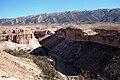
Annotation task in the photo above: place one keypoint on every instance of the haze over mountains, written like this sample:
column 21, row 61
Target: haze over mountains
column 92, row 16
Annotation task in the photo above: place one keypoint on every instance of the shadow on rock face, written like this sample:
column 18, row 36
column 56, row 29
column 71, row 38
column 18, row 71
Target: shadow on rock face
column 40, row 51
column 61, row 66
column 66, row 68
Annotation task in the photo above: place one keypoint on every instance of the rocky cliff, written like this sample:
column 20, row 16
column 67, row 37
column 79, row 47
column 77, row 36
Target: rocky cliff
column 89, row 53
column 99, row 15
column 91, row 60
column 107, row 35
column 19, row 36
column 101, row 36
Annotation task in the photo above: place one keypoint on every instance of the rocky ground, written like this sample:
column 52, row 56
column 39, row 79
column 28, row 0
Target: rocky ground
column 17, row 68
column 10, row 45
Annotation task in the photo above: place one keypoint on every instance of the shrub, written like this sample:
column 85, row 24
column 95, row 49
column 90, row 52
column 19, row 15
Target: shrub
column 49, row 73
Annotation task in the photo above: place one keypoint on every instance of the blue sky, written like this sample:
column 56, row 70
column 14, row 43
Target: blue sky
column 16, row 8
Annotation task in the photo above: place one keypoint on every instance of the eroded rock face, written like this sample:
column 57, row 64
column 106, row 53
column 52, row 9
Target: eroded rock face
column 99, row 60
column 93, row 52
column 102, row 36
column 102, row 61
column 19, row 36
column 100, row 15
column 51, row 41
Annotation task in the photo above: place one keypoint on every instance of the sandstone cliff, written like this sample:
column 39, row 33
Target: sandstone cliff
column 87, row 52
column 17, row 38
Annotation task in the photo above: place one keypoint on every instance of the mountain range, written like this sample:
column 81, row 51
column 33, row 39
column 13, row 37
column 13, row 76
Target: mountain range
column 90, row 16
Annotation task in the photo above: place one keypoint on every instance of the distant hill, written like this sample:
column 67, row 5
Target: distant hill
column 92, row 16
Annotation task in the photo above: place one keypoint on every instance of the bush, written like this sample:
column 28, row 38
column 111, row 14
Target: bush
column 49, row 73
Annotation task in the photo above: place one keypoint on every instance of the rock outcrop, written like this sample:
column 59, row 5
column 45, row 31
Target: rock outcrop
column 91, row 60
column 19, row 36
column 101, row 36
column 99, row 15
column 51, row 41
column 89, row 53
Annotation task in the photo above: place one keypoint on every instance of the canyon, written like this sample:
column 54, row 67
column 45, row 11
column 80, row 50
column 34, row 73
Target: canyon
column 80, row 51
column 84, row 45
column 88, row 53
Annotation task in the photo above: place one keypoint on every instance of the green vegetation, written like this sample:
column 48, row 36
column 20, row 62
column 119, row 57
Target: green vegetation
column 42, row 62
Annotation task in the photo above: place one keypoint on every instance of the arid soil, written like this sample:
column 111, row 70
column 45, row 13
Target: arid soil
column 18, row 68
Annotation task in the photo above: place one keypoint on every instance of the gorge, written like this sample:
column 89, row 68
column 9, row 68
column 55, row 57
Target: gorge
column 92, row 52
column 84, row 45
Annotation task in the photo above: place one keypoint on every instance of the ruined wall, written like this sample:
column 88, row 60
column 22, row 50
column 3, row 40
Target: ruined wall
column 102, row 36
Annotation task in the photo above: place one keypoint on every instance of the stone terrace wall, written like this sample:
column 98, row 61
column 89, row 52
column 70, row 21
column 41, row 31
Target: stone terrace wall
column 102, row 36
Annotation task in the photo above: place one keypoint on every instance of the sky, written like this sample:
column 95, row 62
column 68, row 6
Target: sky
column 17, row 8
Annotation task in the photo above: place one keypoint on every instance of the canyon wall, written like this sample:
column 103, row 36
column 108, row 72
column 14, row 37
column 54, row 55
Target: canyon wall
column 86, row 52
column 102, row 36
column 19, row 36
column 51, row 41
